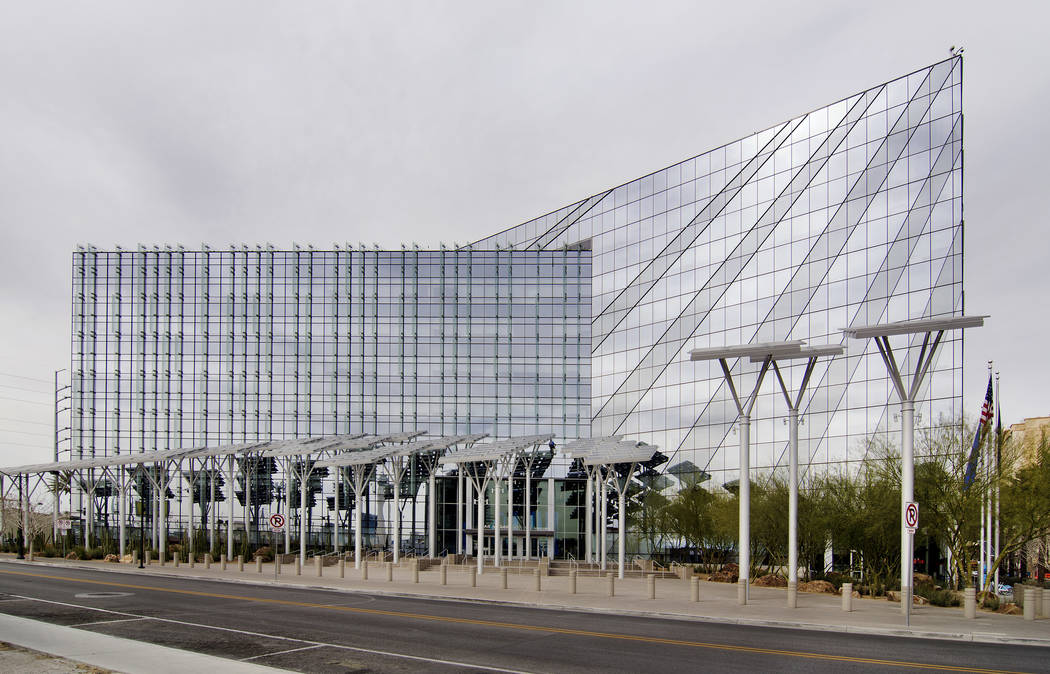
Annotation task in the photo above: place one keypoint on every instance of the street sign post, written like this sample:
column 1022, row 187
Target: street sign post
column 911, row 516
column 277, row 523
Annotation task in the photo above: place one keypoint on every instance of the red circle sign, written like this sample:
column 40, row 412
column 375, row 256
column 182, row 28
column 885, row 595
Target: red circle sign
column 277, row 521
column 911, row 515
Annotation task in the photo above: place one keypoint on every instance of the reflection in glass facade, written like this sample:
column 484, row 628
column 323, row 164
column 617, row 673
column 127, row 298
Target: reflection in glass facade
column 847, row 215
column 176, row 348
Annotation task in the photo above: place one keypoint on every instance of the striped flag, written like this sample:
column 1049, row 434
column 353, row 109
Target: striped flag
column 986, row 416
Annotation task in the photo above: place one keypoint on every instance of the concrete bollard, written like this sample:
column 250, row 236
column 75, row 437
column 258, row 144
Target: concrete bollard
column 1045, row 602
column 503, row 578
column 847, row 597
column 276, row 565
column 473, row 578
column 415, row 571
column 610, row 585
column 741, row 592
column 650, row 584
column 390, row 572
column 240, row 563
column 319, row 564
column 258, row 565
column 175, row 559
column 222, row 561
column 207, row 561
column 970, row 602
column 572, row 582
column 135, row 557
column 193, row 560
column 364, row 571
column 444, row 574
column 536, row 584
column 298, row 565
column 694, row 589
column 792, row 594
column 1039, row 613
column 342, row 568
column 161, row 558
column 1029, row 603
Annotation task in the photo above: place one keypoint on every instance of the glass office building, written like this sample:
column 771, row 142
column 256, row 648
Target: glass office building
column 577, row 323
column 848, row 215
column 176, row 348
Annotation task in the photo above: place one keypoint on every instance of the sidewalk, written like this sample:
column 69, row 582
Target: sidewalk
column 114, row 653
column 718, row 602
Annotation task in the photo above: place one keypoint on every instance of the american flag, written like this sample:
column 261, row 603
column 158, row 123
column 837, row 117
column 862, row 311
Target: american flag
column 986, row 416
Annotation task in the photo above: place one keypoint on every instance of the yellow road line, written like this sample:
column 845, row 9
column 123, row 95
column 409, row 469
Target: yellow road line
column 524, row 627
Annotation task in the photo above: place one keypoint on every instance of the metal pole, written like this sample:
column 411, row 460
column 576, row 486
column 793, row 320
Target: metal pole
column 907, row 495
column 163, row 525
column 588, row 534
column 396, row 475
column 432, row 515
column 792, row 507
column 229, row 508
column 287, row 505
column 480, row 529
column 528, row 513
column 459, row 511
column 603, row 528
column 359, row 484
column 745, row 506
column 497, row 542
column 510, row 514
column 303, row 487
column 621, row 525
column 122, row 507
column 21, row 522
column 338, row 489
column 998, row 424
column 142, row 530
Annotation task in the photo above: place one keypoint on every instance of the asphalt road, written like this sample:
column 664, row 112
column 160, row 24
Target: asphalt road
column 323, row 631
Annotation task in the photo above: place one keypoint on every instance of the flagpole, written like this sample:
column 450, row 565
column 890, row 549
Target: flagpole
column 985, row 534
column 998, row 451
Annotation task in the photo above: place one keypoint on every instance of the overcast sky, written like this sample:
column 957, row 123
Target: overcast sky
column 323, row 122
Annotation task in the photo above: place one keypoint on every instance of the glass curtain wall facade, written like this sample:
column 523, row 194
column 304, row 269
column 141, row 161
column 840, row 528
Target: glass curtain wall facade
column 176, row 348
column 847, row 215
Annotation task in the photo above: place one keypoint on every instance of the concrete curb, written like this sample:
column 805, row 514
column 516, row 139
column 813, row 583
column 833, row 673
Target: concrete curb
column 976, row 637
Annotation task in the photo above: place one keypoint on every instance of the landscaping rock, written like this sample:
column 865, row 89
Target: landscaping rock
column 893, row 595
column 729, row 573
column 113, row 559
column 820, row 586
column 771, row 580
column 73, row 556
column 1010, row 609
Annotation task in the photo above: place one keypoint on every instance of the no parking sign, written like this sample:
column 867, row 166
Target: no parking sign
column 276, row 522
column 911, row 516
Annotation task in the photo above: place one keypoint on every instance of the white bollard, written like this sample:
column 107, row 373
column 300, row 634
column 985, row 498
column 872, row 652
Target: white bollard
column 473, row 578
column 222, row 561
column 970, row 602
column 319, row 563
column 207, row 561
column 847, row 597
column 240, row 563
column 444, row 574
column 1029, row 603
column 1039, row 612
column 503, row 578
column 258, row 565
column 276, row 565
column 390, row 572
column 175, row 560
column 342, row 568
column 650, row 582
column 536, row 585
column 610, row 584
column 694, row 589
column 298, row 565
column 415, row 571
column 364, row 571
column 572, row 582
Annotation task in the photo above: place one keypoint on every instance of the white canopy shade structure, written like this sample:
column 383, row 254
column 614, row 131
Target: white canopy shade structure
column 577, row 449
column 627, row 454
column 764, row 353
column 794, row 400
column 933, row 330
column 490, row 462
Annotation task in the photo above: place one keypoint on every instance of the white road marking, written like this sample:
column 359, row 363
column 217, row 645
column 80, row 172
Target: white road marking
column 451, row 663
column 290, row 650
column 106, row 622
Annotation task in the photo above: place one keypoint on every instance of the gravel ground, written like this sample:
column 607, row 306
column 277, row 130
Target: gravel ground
column 15, row 659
